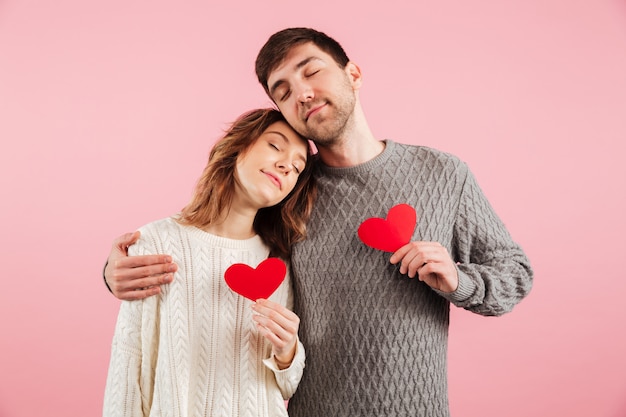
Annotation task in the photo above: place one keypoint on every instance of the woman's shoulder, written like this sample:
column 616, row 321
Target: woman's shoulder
column 153, row 235
column 163, row 225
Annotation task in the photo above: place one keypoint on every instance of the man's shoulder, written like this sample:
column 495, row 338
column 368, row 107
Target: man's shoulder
column 426, row 154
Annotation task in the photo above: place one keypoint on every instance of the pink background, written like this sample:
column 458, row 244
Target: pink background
column 108, row 109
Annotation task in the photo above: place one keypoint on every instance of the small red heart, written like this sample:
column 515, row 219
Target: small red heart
column 392, row 233
column 256, row 283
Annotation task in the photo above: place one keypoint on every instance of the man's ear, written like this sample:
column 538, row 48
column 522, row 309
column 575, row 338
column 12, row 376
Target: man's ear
column 354, row 75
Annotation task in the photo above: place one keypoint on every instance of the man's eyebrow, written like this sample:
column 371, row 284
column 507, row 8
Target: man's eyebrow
column 299, row 65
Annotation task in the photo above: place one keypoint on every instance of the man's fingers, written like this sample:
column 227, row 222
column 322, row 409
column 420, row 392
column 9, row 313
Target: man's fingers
column 139, row 294
column 399, row 254
column 148, row 282
column 136, row 273
column 165, row 261
column 121, row 286
column 137, row 276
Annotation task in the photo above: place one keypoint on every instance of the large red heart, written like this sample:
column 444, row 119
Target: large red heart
column 392, row 233
column 256, row 283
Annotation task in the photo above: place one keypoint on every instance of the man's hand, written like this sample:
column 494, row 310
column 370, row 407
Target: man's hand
column 431, row 262
column 136, row 277
column 280, row 326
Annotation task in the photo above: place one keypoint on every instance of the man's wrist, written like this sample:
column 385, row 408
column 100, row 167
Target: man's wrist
column 104, row 277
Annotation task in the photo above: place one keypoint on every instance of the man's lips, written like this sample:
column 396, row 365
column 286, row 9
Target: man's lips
column 274, row 179
column 313, row 110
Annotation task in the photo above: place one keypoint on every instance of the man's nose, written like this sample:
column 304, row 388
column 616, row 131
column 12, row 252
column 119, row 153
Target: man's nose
column 305, row 93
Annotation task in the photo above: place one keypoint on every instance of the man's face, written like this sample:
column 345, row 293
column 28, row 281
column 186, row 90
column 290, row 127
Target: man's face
column 315, row 95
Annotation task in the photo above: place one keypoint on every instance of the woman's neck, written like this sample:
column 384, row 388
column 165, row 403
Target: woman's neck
column 235, row 225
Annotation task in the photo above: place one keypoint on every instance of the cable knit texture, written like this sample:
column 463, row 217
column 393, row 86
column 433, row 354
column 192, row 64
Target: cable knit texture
column 194, row 350
column 376, row 340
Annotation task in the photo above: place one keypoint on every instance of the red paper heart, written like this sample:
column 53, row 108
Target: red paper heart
column 392, row 233
column 256, row 283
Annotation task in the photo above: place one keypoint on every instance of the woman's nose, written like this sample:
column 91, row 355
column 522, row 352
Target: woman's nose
column 283, row 166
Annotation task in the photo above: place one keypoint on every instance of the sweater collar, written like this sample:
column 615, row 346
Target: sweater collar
column 377, row 161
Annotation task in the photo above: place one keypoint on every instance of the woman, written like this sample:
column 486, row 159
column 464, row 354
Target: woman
column 198, row 348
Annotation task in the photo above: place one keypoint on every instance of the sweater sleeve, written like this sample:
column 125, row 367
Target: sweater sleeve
column 123, row 392
column 494, row 273
column 130, row 380
column 288, row 379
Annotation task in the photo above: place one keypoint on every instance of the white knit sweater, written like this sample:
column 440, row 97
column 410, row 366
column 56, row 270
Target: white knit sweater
column 194, row 350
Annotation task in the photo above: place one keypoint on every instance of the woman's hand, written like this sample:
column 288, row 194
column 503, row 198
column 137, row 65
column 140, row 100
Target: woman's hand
column 279, row 326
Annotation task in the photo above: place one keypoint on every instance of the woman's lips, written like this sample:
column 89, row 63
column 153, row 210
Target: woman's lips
column 274, row 179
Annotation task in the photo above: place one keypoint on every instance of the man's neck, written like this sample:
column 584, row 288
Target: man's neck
column 351, row 151
column 356, row 145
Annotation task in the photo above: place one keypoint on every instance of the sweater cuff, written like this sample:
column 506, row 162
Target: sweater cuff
column 271, row 361
column 463, row 292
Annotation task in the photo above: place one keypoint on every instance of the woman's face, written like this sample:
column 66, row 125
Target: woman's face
column 268, row 171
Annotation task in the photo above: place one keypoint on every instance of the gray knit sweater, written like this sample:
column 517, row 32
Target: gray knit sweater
column 377, row 340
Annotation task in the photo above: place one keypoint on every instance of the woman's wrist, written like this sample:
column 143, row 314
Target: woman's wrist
column 282, row 365
column 286, row 364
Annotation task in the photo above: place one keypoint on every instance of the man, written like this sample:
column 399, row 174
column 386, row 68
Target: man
column 375, row 326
